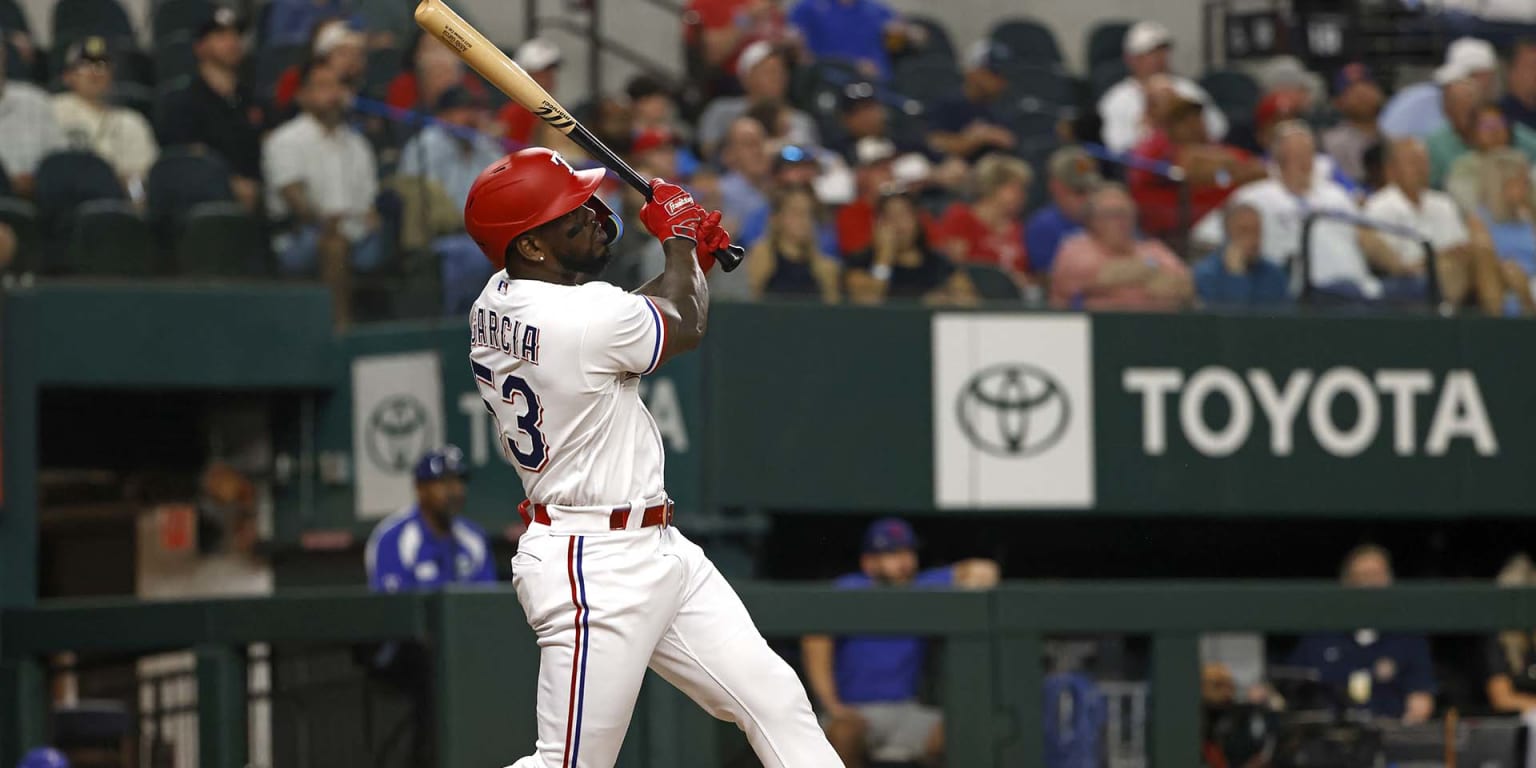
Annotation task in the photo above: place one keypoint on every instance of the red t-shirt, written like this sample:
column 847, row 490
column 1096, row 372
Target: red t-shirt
column 403, row 92
column 1004, row 250
column 1157, row 198
column 518, row 122
column 856, row 227
column 286, row 87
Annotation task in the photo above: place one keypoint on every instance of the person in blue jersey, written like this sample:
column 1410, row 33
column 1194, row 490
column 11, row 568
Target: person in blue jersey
column 428, row 545
column 867, row 686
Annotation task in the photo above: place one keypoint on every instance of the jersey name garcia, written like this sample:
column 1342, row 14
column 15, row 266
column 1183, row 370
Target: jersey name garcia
column 559, row 369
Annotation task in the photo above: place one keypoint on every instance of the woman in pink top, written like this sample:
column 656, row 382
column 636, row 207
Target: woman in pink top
column 1106, row 267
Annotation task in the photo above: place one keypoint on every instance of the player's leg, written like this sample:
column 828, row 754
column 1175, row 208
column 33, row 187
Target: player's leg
column 714, row 653
column 598, row 605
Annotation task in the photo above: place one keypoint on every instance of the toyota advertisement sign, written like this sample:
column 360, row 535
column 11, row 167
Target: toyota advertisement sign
column 1013, row 410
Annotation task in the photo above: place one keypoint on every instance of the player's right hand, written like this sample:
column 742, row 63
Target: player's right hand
column 712, row 239
column 671, row 212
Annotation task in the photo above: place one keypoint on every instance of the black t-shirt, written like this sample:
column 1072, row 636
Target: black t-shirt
column 908, row 282
column 1521, row 669
column 197, row 114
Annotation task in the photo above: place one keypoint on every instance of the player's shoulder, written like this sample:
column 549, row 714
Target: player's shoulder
column 464, row 525
column 392, row 526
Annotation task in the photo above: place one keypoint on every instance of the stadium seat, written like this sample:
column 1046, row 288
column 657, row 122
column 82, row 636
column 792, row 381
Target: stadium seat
column 1104, row 77
column 1028, row 40
column 993, row 284
column 939, row 45
column 383, row 65
column 176, row 16
column 11, row 17
column 131, row 65
column 109, row 239
column 929, row 81
column 21, row 216
column 181, row 179
column 1050, row 87
column 174, row 58
column 139, row 98
column 1237, row 93
column 269, row 67
column 222, row 239
column 1106, row 42
column 67, row 180
column 16, row 68
column 75, row 19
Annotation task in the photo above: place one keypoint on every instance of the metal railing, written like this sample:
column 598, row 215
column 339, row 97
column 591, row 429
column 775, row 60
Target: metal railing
column 1309, row 289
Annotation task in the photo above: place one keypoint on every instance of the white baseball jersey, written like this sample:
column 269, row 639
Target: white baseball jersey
column 559, row 367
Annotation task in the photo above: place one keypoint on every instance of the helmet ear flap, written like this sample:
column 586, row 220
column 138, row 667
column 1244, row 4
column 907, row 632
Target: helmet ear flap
column 613, row 226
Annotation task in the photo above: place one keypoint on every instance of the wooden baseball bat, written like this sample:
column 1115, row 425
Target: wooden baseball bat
column 441, row 22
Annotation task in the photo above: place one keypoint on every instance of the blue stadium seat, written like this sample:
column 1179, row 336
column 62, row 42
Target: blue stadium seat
column 110, row 239
column 76, row 19
column 181, row 179
column 928, row 81
column 940, row 44
column 177, row 16
column 1106, row 42
column 1104, row 76
column 174, row 59
column 221, row 239
column 383, row 65
column 993, row 284
column 1028, row 40
column 1237, row 93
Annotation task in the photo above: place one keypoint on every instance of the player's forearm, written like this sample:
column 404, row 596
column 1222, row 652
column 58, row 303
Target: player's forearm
column 683, row 284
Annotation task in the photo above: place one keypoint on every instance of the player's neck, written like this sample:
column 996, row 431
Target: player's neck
column 544, row 274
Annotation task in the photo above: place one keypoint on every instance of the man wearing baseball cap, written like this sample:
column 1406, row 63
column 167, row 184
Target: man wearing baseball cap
column 1123, row 108
column 867, row 685
column 428, row 545
column 970, row 125
column 1417, row 109
column 764, row 77
column 1071, row 175
column 1358, row 99
column 215, row 110
column 121, row 136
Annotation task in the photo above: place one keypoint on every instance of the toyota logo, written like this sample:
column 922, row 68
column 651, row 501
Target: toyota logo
column 1013, row 410
column 398, row 432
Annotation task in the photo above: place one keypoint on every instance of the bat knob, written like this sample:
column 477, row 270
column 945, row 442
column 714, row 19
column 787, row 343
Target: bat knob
column 730, row 258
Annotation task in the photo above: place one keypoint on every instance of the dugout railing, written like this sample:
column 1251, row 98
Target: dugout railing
column 484, row 655
column 1312, row 293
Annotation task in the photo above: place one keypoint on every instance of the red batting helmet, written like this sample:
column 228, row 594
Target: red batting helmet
column 524, row 190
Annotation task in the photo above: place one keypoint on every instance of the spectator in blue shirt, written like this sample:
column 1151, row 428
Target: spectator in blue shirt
column 850, row 30
column 427, row 545
column 1073, row 174
column 970, row 125
column 1388, row 674
column 44, row 757
column 867, row 686
column 1237, row 274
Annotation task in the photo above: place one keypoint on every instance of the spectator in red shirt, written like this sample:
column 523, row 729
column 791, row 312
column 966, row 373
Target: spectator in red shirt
column 899, row 263
column 338, row 46
column 872, row 176
column 1107, row 267
column 717, row 30
column 1210, row 170
column 540, row 58
column 988, row 231
column 433, row 70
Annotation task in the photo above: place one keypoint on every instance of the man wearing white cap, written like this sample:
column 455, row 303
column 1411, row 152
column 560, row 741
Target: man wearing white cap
column 1416, row 110
column 540, row 58
column 764, row 80
column 1123, row 107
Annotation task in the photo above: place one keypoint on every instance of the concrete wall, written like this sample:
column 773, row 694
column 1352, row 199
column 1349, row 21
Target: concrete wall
column 654, row 31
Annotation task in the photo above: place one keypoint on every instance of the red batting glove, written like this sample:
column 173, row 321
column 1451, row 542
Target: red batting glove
column 671, row 212
column 712, row 239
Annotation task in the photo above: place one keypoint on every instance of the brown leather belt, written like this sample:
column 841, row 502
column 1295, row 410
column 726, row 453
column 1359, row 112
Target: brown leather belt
column 618, row 519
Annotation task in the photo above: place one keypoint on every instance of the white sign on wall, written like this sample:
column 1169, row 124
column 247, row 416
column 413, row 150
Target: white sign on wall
column 397, row 415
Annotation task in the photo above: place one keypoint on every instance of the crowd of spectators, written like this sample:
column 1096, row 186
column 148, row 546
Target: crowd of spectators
column 850, row 150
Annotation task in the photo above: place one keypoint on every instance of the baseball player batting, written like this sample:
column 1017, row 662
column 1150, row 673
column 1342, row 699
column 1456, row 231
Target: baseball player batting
column 608, row 585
